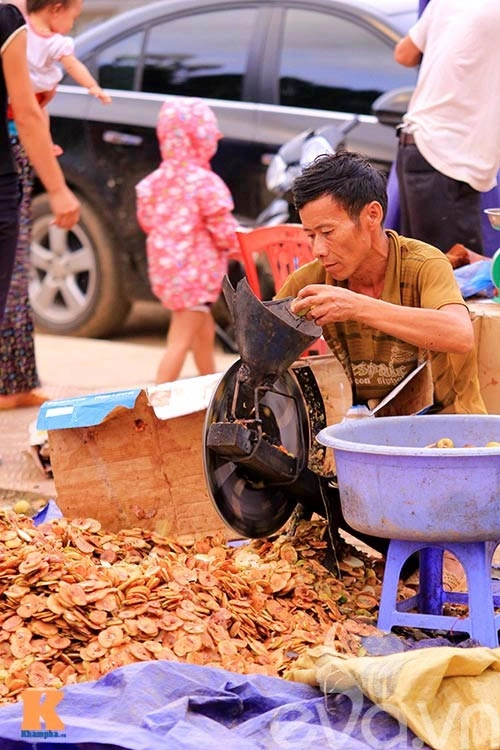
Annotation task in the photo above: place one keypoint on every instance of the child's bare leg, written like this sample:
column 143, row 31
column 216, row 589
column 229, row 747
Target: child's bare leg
column 204, row 344
column 184, row 325
column 55, row 148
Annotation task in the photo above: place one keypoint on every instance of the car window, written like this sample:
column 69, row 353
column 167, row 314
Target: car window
column 335, row 64
column 201, row 55
column 117, row 64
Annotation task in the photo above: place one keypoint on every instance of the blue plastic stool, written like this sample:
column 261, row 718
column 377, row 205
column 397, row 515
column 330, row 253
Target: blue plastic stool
column 475, row 557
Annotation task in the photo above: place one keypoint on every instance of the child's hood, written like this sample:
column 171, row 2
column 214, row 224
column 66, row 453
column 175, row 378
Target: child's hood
column 187, row 131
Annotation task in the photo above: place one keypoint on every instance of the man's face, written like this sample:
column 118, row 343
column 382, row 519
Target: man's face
column 340, row 244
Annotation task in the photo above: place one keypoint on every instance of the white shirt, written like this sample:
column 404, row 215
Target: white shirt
column 44, row 51
column 454, row 112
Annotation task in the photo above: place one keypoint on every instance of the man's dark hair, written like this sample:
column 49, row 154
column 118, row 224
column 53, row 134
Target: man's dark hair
column 347, row 177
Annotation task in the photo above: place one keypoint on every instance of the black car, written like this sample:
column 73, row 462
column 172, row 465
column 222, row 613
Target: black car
column 269, row 69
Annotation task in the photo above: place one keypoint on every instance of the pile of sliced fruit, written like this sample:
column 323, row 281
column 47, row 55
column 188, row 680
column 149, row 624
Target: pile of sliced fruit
column 77, row 602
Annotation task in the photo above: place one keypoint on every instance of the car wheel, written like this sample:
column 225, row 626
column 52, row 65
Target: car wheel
column 75, row 287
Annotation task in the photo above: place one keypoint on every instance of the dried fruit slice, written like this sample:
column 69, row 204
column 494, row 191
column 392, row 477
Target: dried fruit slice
column 98, row 616
column 148, row 625
column 197, row 627
column 112, row 636
column 16, row 592
column 59, row 642
column 187, row 643
column 39, row 675
column 289, row 553
column 20, row 643
column 279, row 581
column 108, row 603
column 28, row 606
column 207, row 579
column 108, row 556
column 366, row 601
column 445, row 443
column 31, row 562
column 47, row 629
column 12, row 623
column 171, row 622
column 73, row 594
column 139, row 651
column 86, row 524
column 353, row 562
column 92, row 651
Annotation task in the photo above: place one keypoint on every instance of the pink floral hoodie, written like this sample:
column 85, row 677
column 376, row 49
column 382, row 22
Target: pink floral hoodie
column 185, row 209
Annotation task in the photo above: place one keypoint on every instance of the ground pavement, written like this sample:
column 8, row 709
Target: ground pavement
column 73, row 367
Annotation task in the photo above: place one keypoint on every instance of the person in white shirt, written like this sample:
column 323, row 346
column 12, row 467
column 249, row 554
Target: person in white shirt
column 449, row 143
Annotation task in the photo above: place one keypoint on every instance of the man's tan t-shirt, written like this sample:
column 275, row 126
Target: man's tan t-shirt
column 418, row 275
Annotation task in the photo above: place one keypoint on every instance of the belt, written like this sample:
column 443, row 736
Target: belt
column 406, row 139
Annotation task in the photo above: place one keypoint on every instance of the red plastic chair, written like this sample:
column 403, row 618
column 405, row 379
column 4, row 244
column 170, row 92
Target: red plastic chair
column 286, row 248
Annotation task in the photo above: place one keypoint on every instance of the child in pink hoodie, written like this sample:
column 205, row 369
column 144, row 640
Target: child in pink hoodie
column 185, row 210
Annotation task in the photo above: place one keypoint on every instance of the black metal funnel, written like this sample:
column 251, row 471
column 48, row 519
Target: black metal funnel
column 269, row 336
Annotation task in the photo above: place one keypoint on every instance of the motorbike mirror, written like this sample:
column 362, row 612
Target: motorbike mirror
column 314, row 147
column 390, row 107
column 335, row 133
column 291, row 150
column 276, row 174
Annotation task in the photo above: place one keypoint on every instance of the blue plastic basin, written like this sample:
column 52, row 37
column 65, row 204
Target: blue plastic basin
column 391, row 485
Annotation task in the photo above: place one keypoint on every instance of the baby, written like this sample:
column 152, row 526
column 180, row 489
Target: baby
column 49, row 21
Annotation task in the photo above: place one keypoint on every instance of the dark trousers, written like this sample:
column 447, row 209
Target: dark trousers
column 435, row 208
column 9, row 227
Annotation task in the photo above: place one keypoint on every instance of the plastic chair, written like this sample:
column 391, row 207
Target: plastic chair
column 482, row 624
column 286, row 248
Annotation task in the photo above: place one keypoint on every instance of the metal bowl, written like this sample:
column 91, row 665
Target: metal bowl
column 391, row 485
column 493, row 215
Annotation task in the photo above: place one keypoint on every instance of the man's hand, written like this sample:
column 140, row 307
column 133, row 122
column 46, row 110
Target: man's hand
column 66, row 208
column 325, row 304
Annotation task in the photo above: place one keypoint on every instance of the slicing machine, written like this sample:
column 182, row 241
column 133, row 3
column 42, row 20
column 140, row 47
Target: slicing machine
column 259, row 438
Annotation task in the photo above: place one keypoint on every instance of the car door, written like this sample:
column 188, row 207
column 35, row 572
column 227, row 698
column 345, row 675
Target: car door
column 204, row 53
column 326, row 63
column 172, row 48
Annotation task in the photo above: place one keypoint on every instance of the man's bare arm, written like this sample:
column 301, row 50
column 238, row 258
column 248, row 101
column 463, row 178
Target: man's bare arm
column 407, row 53
column 448, row 329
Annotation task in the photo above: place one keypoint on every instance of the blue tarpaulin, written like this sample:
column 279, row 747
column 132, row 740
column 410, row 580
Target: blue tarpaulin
column 163, row 705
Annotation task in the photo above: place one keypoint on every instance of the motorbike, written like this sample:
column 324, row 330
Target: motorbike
column 288, row 163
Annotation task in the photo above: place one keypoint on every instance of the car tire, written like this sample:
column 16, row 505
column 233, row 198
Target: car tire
column 75, row 285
